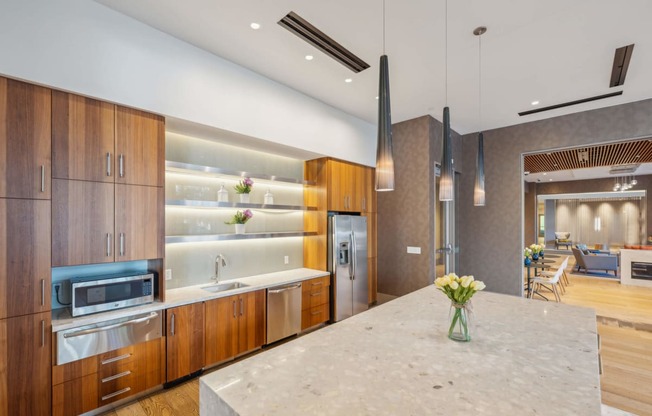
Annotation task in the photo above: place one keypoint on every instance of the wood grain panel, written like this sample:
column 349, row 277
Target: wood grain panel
column 25, row 365
column 76, row 369
column 82, row 216
column 140, row 220
column 252, row 322
column 315, row 316
column 83, row 133
column 372, row 279
column 185, row 344
column 24, row 257
column 25, row 140
column 370, row 193
column 76, row 396
column 140, row 139
column 315, row 247
column 372, row 232
column 221, row 329
column 151, row 364
column 315, row 292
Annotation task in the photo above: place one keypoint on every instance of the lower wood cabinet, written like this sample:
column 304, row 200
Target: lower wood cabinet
column 234, row 325
column 315, row 301
column 25, row 365
column 87, row 384
column 185, row 340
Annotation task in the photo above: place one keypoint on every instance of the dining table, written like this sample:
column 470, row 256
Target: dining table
column 538, row 264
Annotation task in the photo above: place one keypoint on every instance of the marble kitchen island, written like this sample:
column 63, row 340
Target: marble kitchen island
column 526, row 357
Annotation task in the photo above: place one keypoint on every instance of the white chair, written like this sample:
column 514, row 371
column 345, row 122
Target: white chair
column 549, row 278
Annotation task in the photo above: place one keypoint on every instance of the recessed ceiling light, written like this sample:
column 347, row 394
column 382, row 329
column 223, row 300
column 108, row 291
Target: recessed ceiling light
column 376, row 97
column 535, row 102
column 545, row 173
column 348, row 80
column 254, row 26
column 550, row 180
column 309, row 57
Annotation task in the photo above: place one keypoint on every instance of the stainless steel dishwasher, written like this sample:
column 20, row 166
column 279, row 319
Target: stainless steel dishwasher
column 283, row 311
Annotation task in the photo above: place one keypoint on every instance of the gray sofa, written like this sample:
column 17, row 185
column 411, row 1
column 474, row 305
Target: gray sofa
column 606, row 262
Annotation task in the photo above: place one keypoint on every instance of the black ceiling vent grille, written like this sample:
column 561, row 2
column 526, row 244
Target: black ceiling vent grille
column 569, row 103
column 300, row 27
column 621, row 64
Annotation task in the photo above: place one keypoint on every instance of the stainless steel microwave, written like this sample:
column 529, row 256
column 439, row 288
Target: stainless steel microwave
column 104, row 293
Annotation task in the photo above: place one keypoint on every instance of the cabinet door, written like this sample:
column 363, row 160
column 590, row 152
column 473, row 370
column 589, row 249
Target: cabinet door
column 338, row 186
column 25, row 365
column 82, row 222
column 369, row 197
column 221, row 329
column 139, row 147
column 76, row 396
column 25, row 140
column 24, row 257
column 252, row 322
column 372, row 282
column 185, row 340
column 139, row 222
column 83, row 139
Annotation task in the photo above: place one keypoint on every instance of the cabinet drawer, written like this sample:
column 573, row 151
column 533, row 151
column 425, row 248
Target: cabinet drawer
column 314, row 316
column 119, row 385
column 111, row 362
column 317, row 298
column 75, row 397
column 318, row 284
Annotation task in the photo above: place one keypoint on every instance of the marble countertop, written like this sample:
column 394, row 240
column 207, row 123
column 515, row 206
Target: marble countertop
column 61, row 318
column 526, row 357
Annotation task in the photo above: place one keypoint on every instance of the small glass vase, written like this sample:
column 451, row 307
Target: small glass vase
column 244, row 198
column 460, row 319
column 239, row 228
column 535, row 256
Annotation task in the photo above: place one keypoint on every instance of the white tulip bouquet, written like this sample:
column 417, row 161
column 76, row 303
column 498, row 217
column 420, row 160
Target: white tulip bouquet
column 459, row 290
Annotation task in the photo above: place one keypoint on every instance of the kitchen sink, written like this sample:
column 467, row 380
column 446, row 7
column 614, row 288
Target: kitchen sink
column 221, row 287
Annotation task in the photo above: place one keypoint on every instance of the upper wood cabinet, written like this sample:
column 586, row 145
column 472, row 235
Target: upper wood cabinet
column 185, row 340
column 25, row 365
column 25, row 140
column 24, row 257
column 83, row 138
column 139, row 222
column 140, row 147
column 349, row 187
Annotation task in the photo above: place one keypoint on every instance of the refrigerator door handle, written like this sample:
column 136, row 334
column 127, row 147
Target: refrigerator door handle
column 354, row 254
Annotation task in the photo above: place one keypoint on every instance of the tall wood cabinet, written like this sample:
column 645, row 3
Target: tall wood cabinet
column 343, row 187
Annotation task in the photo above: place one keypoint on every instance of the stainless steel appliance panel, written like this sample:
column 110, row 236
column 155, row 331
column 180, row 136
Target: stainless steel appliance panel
column 104, row 293
column 360, row 274
column 85, row 341
column 283, row 311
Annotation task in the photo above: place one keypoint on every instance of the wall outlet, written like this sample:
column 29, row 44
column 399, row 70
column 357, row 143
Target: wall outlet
column 414, row 250
column 168, row 274
column 286, row 260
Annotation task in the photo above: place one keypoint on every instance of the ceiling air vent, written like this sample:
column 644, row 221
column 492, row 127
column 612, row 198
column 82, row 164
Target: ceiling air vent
column 620, row 169
column 300, row 27
column 569, row 103
column 621, row 64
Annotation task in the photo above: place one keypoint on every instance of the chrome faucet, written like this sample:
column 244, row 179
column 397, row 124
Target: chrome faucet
column 220, row 262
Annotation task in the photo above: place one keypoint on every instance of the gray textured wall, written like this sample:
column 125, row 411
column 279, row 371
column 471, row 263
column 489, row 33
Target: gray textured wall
column 491, row 237
column 406, row 215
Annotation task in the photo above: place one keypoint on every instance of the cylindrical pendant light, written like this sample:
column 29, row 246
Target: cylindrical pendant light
column 478, row 191
column 384, row 152
column 446, row 189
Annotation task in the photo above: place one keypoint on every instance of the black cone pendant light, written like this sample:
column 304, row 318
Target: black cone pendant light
column 446, row 180
column 478, row 190
column 384, row 153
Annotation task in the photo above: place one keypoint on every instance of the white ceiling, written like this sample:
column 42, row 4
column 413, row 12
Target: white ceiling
column 552, row 51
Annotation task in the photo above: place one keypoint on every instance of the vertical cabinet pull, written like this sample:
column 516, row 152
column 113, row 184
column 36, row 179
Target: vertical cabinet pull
column 121, row 160
column 122, row 244
column 42, row 292
column 241, row 307
column 108, row 244
column 364, row 203
column 108, row 164
column 42, row 333
column 42, row 178
column 172, row 324
column 234, row 309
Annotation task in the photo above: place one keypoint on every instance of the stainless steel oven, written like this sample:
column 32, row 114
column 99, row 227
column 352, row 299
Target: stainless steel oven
column 104, row 293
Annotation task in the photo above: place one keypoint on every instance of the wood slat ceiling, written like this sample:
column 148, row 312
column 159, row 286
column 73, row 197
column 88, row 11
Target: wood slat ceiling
column 614, row 154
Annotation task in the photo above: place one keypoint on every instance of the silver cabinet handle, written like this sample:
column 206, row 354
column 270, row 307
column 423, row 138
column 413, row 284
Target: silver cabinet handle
column 283, row 289
column 117, row 393
column 114, row 359
column 117, row 376
column 234, row 309
column 316, row 283
column 315, row 294
column 122, row 244
column 241, row 307
column 121, row 160
column 364, row 203
column 42, row 292
column 172, row 324
column 108, row 327
column 108, row 244
column 316, row 312
column 42, row 333
column 42, row 178
column 108, row 164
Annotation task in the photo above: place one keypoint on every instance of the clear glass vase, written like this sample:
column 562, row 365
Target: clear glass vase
column 460, row 320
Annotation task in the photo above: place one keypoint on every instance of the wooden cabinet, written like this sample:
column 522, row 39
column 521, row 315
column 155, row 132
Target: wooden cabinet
column 315, row 305
column 139, row 222
column 83, row 138
column 185, row 340
column 87, row 384
column 24, row 257
column 349, row 188
column 234, row 325
column 25, row 140
column 140, row 147
column 25, row 365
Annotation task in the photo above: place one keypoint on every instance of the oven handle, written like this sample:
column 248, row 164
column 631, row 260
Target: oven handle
column 108, row 327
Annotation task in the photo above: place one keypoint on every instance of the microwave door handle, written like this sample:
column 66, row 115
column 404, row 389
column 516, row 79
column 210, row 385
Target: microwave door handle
column 108, row 327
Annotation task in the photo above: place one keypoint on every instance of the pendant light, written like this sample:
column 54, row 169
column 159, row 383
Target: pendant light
column 478, row 190
column 384, row 152
column 446, row 179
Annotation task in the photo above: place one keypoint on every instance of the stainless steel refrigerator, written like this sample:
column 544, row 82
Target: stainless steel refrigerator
column 347, row 262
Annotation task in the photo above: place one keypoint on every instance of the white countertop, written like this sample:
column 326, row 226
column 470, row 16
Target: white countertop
column 62, row 319
column 526, row 357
